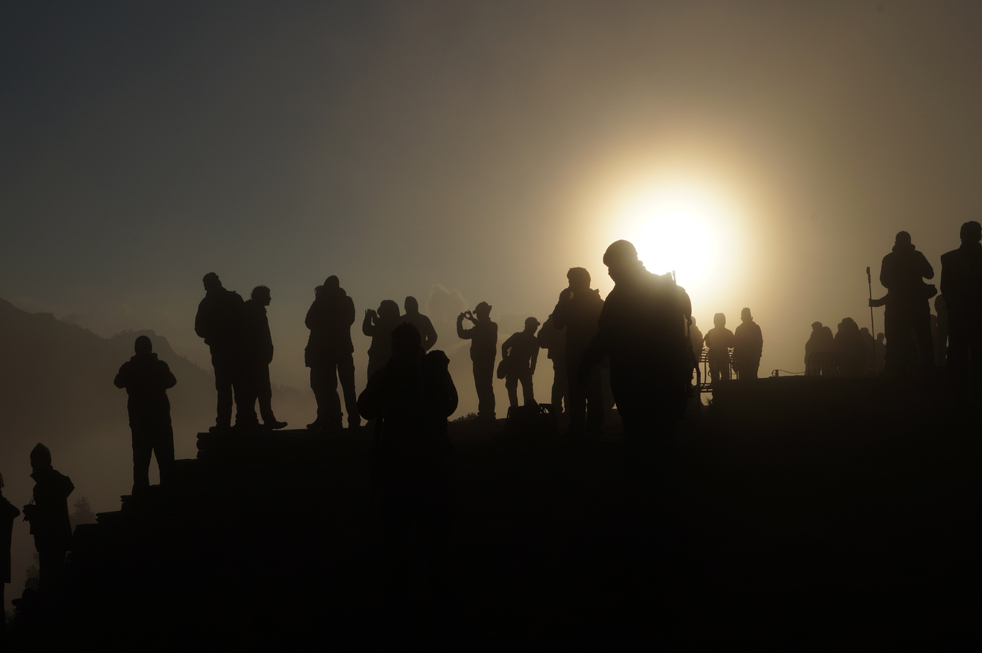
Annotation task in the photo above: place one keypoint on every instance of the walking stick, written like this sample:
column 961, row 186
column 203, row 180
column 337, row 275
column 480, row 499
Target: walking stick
column 869, row 281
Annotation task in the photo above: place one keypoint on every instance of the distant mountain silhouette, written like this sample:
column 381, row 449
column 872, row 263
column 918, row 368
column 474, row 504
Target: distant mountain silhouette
column 57, row 379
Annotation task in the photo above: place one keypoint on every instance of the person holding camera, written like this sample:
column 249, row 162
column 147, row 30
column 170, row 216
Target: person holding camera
column 48, row 516
column 379, row 327
column 484, row 349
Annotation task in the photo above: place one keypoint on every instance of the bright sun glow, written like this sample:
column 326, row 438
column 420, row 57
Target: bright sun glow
column 679, row 228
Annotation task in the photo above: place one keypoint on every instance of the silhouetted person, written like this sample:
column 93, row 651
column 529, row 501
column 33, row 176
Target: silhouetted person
column 748, row 345
column 219, row 322
column 941, row 329
column 719, row 341
column 48, row 515
column 329, row 355
column 850, row 349
column 519, row 354
column 379, row 326
column 421, row 322
column 641, row 328
column 8, row 513
column 484, row 349
column 961, row 286
column 816, row 345
column 578, row 310
column 411, row 397
column 257, row 355
column 553, row 340
column 696, row 338
column 902, row 273
column 147, row 379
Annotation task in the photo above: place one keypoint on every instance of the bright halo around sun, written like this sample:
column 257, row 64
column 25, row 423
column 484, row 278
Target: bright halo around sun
column 677, row 227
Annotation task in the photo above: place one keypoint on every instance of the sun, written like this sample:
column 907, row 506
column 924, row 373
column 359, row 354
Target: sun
column 677, row 227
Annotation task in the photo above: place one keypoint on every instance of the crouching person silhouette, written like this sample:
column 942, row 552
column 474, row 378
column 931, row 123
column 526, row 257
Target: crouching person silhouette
column 412, row 397
column 147, row 379
column 48, row 515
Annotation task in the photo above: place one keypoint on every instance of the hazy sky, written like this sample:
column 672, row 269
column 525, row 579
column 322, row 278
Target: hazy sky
column 481, row 147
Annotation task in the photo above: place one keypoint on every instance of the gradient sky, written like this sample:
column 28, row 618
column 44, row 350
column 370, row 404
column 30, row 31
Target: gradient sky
column 478, row 150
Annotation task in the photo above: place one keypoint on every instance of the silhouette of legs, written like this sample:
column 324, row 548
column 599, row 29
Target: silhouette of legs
column 923, row 336
column 528, row 389
column 346, row 375
column 324, row 380
column 718, row 370
column 223, row 384
column 749, row 370
column 560, row 385
column 580, row 399
column 528, row 393
column 324, row 383
column 254, row 386
column 483, row 377
column 264, row 394
column 511, row 385
column 150, row 439
column 909, row 340
column 964, row 358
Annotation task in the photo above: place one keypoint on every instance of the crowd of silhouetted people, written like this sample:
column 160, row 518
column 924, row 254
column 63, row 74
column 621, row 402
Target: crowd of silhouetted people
column 914, row 341
column 642, row 338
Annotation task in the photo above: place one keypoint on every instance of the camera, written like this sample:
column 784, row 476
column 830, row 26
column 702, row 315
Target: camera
column 30, row 511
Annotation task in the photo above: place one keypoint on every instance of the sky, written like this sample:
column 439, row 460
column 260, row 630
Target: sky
column 768, row 152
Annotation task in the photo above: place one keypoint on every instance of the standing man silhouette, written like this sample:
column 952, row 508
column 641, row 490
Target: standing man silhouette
column 553, row 340
column 258, row 355
column 748, row 345
column 961, row 287
column 48, row 514
column 519, row 354
column 329, row 355
column 147, row 380
column 902, row 273
column 642, row 329
column 421, row 322
column 219, row 322
column 484, row 349
column 578, row 310
column 719, row 340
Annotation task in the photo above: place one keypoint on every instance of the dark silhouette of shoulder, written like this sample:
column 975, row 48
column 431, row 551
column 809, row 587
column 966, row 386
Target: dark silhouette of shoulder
column 218, row 315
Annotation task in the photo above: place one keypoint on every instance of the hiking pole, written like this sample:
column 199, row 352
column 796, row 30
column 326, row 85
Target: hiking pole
column 869, row 281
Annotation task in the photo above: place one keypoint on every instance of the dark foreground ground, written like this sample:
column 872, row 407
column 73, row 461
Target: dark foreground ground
column 804, row 514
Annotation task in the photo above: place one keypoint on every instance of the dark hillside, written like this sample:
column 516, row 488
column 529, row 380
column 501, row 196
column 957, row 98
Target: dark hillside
column 790, row 528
